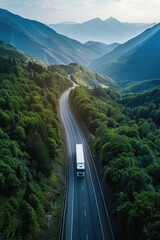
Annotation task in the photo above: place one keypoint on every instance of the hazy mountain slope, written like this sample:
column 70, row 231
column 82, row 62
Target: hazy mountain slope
column 101, row 48
column 137, row 59
column 107, row 31
column 7, row 50
column 100, row 63
column 141, row 63
column 41, row 41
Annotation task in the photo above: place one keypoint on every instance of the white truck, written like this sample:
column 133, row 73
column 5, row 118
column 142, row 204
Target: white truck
column 80, row 160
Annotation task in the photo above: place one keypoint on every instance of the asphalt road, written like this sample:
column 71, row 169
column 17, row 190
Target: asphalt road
column 85, row 212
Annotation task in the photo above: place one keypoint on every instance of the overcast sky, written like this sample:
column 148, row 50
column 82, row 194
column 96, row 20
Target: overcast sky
column 54, row 11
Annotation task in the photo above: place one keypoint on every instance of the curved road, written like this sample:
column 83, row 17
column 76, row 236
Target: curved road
column 85, row 213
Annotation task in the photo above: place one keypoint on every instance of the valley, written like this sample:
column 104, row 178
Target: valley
column 56, row 92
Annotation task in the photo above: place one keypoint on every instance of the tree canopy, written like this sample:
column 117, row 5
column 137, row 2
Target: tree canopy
column 30, row 143
column 125, row 137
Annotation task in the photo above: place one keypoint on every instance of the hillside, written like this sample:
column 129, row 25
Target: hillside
column 37, row 39
column 31, row 150
column 124, row 134
column 85, row 77
column 10, row 51
column 7, row 50
column 137, row 59
column 141, row 86
column 108, row 31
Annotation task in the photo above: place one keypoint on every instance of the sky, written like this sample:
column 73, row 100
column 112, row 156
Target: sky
column 55, row 11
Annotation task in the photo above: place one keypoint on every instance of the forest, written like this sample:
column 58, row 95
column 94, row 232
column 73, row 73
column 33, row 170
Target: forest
column 125, row 138
column 31, row 149
column 125, row 132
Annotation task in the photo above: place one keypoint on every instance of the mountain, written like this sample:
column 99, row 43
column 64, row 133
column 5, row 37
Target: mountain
column 37, row 39
column 137, row 59
column 108, row 31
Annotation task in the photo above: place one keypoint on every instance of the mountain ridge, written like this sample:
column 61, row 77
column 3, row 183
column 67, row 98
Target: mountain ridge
column 108, row 31
column 132, row 60
column 39, row 40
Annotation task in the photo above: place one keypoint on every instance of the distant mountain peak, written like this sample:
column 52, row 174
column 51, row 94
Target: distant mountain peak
column 36, row 38
column 111, row 20
column 108, row 31
column 97, row 19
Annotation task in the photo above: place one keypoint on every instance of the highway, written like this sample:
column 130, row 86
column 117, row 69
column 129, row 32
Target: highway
column 85, row 212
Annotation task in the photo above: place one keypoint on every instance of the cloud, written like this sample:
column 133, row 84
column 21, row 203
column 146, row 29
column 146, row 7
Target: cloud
column 79, row 5
column 15, row 4
column 81, row 10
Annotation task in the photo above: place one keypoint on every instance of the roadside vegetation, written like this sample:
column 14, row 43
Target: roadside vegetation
column 87, row 78
column 126, row 143
column 31, row 149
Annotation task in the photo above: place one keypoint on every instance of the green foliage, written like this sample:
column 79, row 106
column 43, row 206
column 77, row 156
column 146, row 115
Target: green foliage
column 11, row 52
column 9, row 182
column 39, row 153
column 85, row 77
column 144, row 105
column 144, row 216
column 126, row 142
column 30, row 143
column 30, row 224
column 140, row 86
column 115, row 146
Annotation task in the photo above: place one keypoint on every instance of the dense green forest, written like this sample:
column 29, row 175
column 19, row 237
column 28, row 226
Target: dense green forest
column 31, row 151
column 141, row 86
column 125, row 134
column 126, row 141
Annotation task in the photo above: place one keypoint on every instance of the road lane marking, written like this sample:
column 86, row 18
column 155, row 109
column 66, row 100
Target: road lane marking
column 106, row 210
column 64, row 115
column 87, row 234
column 74, row 126
column 83, row 139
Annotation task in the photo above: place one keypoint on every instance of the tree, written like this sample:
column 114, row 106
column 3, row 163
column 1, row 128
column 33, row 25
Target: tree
column 30, row 223
column 135, row 179
column 115, row 146
column 144, row 129
column 144, row 216
column 39, row 152
column 9, row 183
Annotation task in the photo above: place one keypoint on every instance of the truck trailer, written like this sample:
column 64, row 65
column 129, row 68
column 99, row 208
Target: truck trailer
column 80, row 163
